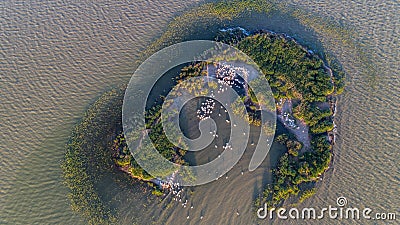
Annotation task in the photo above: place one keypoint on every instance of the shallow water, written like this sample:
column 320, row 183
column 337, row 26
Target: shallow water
column 56, row 58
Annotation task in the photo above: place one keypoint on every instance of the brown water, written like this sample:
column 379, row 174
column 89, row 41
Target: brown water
column 56, row 58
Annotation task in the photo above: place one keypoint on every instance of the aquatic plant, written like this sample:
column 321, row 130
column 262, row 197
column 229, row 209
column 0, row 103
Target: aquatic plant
column 87, row 155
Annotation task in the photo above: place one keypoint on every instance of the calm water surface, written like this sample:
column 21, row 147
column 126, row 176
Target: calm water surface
column 57, row 57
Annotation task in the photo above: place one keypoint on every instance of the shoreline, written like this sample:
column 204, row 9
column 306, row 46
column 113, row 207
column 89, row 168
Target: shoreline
column 331, row 99
column 300, row 129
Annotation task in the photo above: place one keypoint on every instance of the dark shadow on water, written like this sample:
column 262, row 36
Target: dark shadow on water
column 163, row 85
column 131, row 198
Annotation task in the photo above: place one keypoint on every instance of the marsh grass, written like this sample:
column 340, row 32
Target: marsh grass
column 85, row 153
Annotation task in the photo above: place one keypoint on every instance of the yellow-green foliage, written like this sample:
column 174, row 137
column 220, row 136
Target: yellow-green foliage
column 335, row 38
column 307, row 194
column 318, row 120
column 310, row 114
column 87, row 156
column 125, row 161
column 157, row 192
column 322, row 126
column 288, row 67
column 294, row 169
column 139, row 173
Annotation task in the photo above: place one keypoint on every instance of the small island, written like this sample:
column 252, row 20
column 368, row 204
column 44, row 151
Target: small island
column 304, row 88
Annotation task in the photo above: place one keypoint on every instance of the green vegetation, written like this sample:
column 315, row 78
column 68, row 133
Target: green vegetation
column 88, row 155
column 293, row 146
column 307, row 194
column 192, row 70
column 231, row 36
column 297, row 74
column 319, row 120
column 293, row 170
column 282, row 60
column 291, row 71
column 160, row 140
column 322, row 126
column 157, row 192
column 310, row 114
column 253, row 114
column 124, row 159
column 335, row 39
